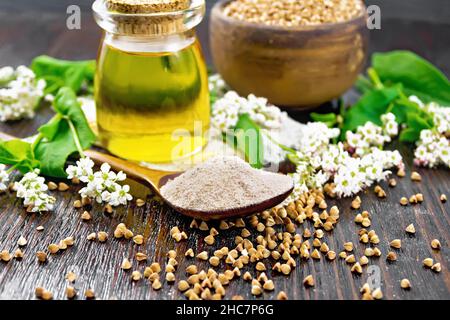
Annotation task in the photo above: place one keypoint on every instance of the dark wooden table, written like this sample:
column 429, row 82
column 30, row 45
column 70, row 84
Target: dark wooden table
column 29, row 28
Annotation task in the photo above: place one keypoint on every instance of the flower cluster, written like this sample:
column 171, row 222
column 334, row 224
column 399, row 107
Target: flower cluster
column 433, row 147
column 4, row 178
column 101, row 185
column 217, row 85
column 226, row 111
column 20, row 92
column 32, row 189
column 370, row 135
column 356, row 174
column 440, row 114
column 319, row 162
column 315, row 138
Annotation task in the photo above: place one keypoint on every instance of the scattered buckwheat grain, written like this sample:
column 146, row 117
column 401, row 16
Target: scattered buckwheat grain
column 70, row 292
column 410, row 229
column 308, row 281
column 436, row 267
column 436, row 244
column 89, row 294
column 415, row 176
column 126, row 264
column 405, row 284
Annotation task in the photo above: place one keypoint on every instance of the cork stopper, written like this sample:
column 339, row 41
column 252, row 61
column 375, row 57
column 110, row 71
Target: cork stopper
column 147, row 6
column 149, row 17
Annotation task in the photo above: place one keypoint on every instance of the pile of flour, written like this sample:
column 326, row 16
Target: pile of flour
column 223, row 183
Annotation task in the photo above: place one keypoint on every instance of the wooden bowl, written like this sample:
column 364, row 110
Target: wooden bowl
column 299, row 67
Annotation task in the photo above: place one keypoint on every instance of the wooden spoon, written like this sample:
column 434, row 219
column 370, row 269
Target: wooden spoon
column 156, row 179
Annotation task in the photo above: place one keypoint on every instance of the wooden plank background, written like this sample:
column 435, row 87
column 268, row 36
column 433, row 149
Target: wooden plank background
column 30, row 28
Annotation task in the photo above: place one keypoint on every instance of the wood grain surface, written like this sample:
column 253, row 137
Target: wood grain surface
column 24, row 35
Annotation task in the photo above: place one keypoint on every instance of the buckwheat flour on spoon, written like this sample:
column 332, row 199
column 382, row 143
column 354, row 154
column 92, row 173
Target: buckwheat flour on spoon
column 224, row 183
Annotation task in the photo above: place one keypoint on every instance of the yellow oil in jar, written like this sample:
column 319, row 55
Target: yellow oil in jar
column 142, row 98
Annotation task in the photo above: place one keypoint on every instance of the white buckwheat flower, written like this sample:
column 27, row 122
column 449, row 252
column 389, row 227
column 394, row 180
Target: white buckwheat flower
column 440, row 114
column 102, row 186
column 433, row 146
column 32, row 189
column 217, row 85
column 433, row 149
column 318, row 161
column 4, row 178
column 226, row 111
column 370, row 135
column 83, row 170
column 390, row 125
column 20, row 92
column 316, row 138
column 120, row 195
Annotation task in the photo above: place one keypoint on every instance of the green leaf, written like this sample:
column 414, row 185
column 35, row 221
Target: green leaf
column 418, row 76
column 58, row 143
column 66, row 104
column 370, row 107
column 401, row 107
column 409, row 135
column 59, row 73
column 248, row 139
column 416, row 123
column 50, row 129
column 19, row 154
column 330, row 119
column 53, row 153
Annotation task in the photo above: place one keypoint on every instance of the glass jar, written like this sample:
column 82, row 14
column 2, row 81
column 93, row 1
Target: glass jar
column 151, row 85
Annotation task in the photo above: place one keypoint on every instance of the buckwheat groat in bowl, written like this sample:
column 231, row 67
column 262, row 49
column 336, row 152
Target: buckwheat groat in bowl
column 296, row 53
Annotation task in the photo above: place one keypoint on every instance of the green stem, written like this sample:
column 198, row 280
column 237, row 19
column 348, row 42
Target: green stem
column 403, row 95
column 375, row 78
column 36, row 141
column 389, row 109
column 12, row 168
column 282, row 146
column 75, row 136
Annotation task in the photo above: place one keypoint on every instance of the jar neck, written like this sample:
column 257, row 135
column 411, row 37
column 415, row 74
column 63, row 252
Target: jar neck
column 141, row 43
column 157, row 24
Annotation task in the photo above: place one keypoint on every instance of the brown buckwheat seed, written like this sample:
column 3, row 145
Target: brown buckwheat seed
column 415, row 176
column 102, row 236
column 404, row 201
column 435, row 244
column 396, row 243
column 70, row 292
column 63, row 187
column 410, row 229
column 436, row 267
column 405, row 284
column 126, row 264
column 86, row 216
column 41, row 256
column 308, row 281
column 89, row 294
column 391, row 256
